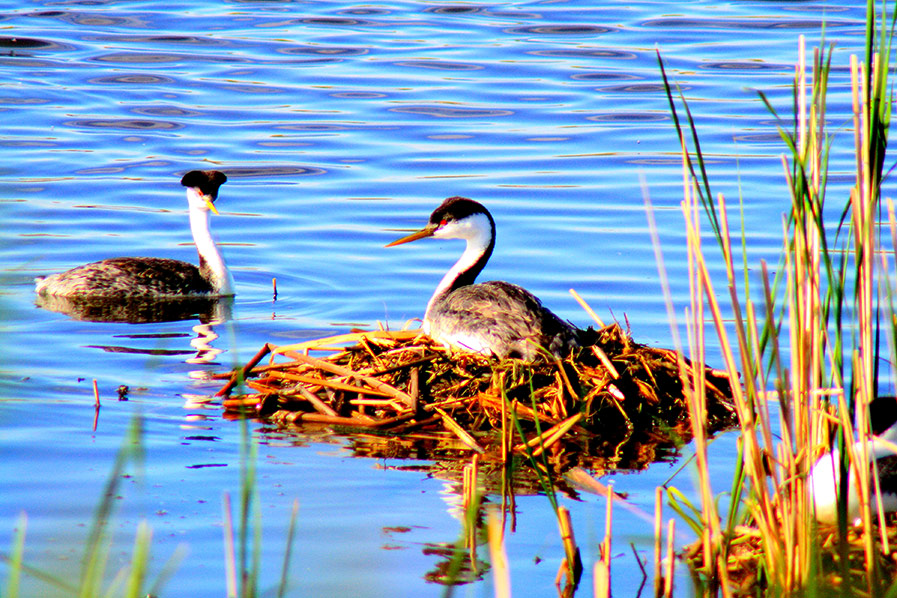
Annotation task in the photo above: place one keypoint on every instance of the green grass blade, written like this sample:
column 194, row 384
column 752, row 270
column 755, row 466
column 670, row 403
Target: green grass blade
column 15, row 561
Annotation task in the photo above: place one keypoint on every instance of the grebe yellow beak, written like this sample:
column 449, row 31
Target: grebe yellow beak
column 208, row 200
column 421, row 234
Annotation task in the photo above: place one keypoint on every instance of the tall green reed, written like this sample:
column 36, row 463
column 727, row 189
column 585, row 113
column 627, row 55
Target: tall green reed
column 824, row 295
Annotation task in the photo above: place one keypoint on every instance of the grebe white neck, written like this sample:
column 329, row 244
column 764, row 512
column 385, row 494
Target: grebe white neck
column 477, row 230
column 211, row 262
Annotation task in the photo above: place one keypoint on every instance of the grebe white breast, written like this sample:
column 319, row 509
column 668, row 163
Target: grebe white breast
column 124, row 278
column 825, row 475
column 494, row 317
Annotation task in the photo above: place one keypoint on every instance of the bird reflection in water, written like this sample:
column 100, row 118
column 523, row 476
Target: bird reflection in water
column 210, row 312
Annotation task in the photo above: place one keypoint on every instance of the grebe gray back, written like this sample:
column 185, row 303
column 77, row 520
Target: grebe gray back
column 495, row 317
column 123, row 278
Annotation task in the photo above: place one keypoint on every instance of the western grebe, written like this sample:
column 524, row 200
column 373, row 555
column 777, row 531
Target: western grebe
column 124, row 278
column 494, row 317
column 825, row 475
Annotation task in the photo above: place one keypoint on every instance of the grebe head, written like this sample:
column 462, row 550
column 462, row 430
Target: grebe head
column 202, row 188
column 457, row 218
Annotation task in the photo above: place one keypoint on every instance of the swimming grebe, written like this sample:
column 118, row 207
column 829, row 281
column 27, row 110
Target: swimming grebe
column 495, row 317
column 123, row 278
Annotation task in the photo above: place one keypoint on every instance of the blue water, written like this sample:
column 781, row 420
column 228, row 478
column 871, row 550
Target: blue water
column 339, row 126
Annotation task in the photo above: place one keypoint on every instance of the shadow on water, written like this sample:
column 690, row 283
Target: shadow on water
column 210, row 312
column 138, row 311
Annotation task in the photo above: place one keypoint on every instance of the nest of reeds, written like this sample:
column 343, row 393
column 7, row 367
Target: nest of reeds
column 389, row 387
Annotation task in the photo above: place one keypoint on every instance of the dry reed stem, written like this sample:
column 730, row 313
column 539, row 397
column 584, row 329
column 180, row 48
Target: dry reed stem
column 583, row 479
column 297, row 417
column 605, row 361
column 237, row 377
column 670, row 560
column 328, row 343
column 549, row 437
column 571, row 566
column 373, row 383
column 317, row 403
column 587, row 307
column 501, row 572
column 603, row 565
column 332, row 383
column 456, row 429
column 470, row 501
column 781, row 507
column 701, row 288
column 658, row 541
column 601, row 577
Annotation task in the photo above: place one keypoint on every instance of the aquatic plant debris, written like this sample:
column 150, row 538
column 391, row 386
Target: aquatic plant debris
column 400, row 383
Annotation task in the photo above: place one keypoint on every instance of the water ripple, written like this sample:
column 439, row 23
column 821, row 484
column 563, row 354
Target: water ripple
column 744, row 66
column 561, row 30
column 366, row 11
column 636, row 88
column 585, row 53
column 123, row 123
column 322, row 51
column 165, row 111
column 453, row 112
column 439, row 65
column 132, row 79
column 138, row 58
column 358, row 95
column 29, row 43
column 606, row 76
column 159, row 40
column 746, row 23
column 337, row 22
column 269, row 171
column 455, row 10
column 92, row 19
column 628, row 117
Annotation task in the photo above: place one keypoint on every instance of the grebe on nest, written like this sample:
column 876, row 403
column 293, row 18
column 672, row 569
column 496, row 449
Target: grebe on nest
column 150, row 278
column 494, row 317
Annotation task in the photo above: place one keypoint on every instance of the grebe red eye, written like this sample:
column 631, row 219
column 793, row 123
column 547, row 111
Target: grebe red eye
column 443, row 222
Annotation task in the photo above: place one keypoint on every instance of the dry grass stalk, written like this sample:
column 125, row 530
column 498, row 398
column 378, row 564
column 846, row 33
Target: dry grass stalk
column 587, row 308
column 571, row 565
column 501, row 572
column 809, row 385
column 670, row 560
column 601, row 576
column 602, row 566
column 658, row 541
column 470, row 496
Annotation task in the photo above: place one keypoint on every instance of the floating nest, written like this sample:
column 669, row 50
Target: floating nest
column 616, row 404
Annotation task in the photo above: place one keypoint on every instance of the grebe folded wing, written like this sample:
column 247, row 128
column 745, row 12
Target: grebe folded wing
column 500, row 318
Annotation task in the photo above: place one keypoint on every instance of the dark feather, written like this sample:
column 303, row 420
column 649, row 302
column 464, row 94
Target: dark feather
column 130, row 277
column 507, row 315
